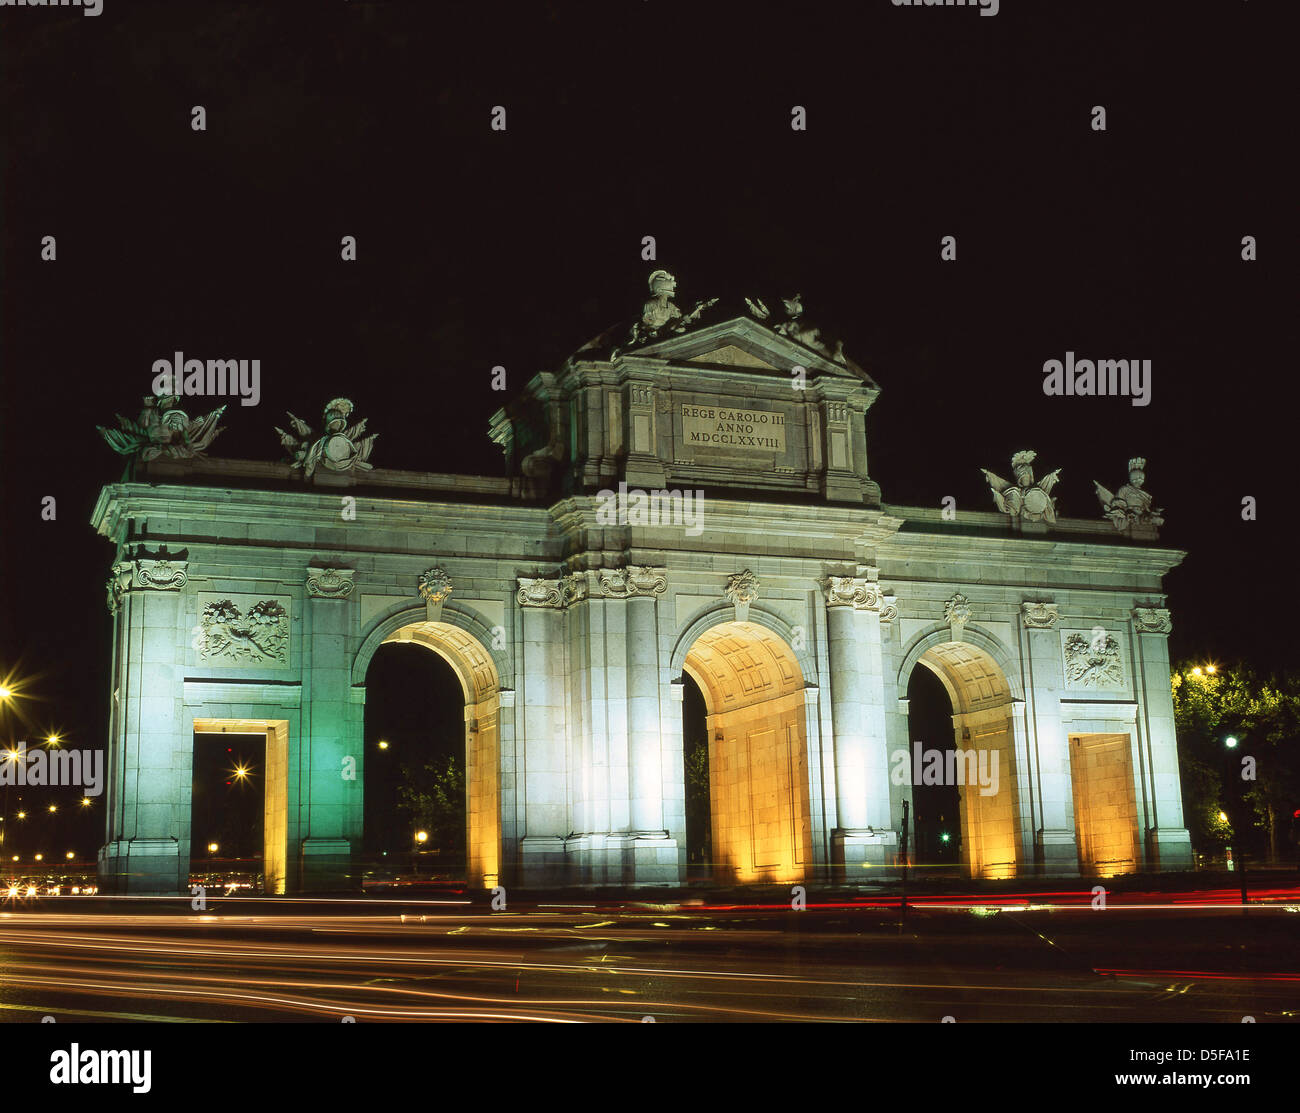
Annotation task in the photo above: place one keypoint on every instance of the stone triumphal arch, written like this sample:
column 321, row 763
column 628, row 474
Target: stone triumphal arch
column 687, row 496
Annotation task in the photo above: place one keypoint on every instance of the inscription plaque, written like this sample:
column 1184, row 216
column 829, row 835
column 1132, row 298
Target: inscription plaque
column 726, row 428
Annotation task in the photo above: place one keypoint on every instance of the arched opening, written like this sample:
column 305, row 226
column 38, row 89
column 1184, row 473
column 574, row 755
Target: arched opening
column 443, row 711
column 972, row 765
column 695, row 758
column 415, row 767
column 752, row 687
column 936, row 807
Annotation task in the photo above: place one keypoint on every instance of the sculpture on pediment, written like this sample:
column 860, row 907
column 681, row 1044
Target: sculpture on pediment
column 1131, row 507
column 660, row 314
column 1024, row 499
column 799, row 331
column 340, row 446
column 163, row 430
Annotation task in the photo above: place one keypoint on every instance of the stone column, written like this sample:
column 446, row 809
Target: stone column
column 331, row 802
column 544, row 770
column 864, row 834
column 649, row 856
column 1056, row 848
column 150, row 760
column 1168, row 844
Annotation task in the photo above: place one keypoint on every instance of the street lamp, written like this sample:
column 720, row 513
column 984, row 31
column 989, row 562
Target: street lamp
column 52, row 740
column 1230, row 742
column 213, row 848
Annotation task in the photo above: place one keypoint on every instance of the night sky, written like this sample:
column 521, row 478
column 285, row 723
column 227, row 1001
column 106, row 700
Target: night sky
column 626, row 119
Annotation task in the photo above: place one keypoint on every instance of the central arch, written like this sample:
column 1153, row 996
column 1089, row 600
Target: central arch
column 753, row 691
column 983, row 746
column 480, row 682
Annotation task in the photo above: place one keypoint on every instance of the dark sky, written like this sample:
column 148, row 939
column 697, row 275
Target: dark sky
column 632, row 118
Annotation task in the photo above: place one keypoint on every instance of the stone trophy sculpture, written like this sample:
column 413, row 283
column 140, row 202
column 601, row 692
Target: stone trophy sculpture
column 163, row 430
column 660, row 315
column 1131, row 508
column 1024, row 500
column 339, row 448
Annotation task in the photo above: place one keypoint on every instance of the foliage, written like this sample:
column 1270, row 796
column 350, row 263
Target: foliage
column 697, row 767
column 432, row 797
column 1257, row 783
column 697, row 797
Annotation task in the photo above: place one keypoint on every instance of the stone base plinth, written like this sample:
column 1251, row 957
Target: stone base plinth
column 1169, row 849
column 860, row 856
column 142, row 867
column 542, row 862
column 617, row 858
column 1056, row 853
column 326, row 865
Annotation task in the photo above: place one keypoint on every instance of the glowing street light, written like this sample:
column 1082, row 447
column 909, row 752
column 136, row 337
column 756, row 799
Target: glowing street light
column 1211, row 669
column 383, row 745
column 22, row 815
column 5, row 693
column 421, row 836
column 1198, row 671
column 52, row 740
column 240, row 772
column 69, row 855
column 213, row 848
column 1230, row 742
column 1223, row 817
column 40, row 857
column 86, row 801
column 54, row 807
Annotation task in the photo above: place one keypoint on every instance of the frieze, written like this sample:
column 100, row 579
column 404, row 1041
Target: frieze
column 1092, row 660
column 242, row 630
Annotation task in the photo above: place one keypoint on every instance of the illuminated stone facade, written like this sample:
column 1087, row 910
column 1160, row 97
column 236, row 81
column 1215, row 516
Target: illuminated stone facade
column 247, row 595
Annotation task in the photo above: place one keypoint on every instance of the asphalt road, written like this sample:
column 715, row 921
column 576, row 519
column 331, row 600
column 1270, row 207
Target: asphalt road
column 295, row 961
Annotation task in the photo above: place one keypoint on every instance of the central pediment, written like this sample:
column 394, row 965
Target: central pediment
column 730, row 355
column 743, row 342
column 747, row 395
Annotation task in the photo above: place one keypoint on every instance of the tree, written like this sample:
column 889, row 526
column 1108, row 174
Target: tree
column 697, row 796
column 1260, row 777
column 432, row 798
